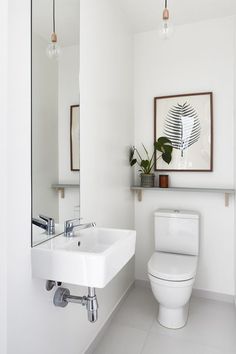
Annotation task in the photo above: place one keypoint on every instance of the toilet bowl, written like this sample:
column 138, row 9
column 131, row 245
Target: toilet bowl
column 173, row 266
column 172, row 277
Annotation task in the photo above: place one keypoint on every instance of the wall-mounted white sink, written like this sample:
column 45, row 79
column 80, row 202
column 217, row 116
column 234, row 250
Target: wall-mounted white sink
column 91, row 258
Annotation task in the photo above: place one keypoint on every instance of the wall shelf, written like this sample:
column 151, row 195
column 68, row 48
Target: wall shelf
column 227, row 192
column 61, row 188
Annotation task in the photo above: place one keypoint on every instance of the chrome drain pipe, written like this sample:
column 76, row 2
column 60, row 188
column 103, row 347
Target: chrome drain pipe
column 92, row 305
column 62, row 297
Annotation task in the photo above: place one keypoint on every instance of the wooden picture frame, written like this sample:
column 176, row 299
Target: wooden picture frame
column 187, row 120
column 75, row 138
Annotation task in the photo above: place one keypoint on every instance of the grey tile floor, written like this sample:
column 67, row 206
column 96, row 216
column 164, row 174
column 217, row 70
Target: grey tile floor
column 211, row 328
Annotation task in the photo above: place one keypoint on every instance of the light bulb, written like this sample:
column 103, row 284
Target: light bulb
column 53, row 50
column 166, row 29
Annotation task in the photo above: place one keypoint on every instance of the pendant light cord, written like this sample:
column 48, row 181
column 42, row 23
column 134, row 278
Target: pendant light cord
column 53, row 20
column 165, row 4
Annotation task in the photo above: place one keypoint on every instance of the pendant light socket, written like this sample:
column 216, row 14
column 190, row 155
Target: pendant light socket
column 54, row 37
column 166, row 28
column 53, row 49
column 166, row 14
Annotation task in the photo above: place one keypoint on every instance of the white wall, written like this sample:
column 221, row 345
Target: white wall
column 106, row 97
column 34, row 324
column 3, row 177
column 44, row 130
column 68, row 94
column 235, row 164
column 106, row 114
column 199, row 57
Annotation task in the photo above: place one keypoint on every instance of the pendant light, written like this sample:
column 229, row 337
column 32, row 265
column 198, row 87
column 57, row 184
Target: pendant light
column 166, row 28
column 53, row 49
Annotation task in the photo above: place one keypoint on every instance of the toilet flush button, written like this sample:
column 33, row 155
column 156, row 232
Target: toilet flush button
column 176, row 211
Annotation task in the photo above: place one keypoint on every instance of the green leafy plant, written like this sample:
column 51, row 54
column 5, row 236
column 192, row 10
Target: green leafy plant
column 146, row 164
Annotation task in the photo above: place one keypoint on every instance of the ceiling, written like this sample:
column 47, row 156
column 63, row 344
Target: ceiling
column 67, row 20
column 145, row 15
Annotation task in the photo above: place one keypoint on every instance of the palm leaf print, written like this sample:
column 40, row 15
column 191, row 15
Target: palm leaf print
column 182, row 126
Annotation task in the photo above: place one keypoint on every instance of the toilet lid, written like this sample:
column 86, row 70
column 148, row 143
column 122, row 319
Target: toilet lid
column 170, row 266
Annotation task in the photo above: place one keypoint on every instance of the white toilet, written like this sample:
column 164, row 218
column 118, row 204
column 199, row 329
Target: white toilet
column 172, row 267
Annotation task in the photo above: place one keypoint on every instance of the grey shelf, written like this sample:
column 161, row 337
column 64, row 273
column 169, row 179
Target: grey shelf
column 227, row 192
column 60, row 187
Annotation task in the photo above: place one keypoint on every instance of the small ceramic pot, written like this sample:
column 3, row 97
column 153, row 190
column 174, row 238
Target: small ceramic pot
column 147, row 180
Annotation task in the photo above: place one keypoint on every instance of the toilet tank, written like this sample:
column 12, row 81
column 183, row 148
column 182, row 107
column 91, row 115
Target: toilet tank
column 177, row 231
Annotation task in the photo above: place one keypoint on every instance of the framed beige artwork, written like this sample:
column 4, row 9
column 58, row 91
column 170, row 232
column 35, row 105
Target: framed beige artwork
column 187, row 120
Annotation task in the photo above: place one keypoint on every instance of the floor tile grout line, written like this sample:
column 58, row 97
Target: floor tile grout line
column 146, row 338
column 120, row 323
column 124, row 325
column 144, row 343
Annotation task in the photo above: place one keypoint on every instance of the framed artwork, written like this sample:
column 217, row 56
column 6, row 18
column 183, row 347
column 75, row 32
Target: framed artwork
column 187, row 120
column 74, row 138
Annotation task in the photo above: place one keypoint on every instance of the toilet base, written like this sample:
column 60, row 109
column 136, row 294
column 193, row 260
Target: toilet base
column 173, row 318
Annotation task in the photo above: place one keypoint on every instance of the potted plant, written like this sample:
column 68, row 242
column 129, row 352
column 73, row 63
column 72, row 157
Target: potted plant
column 146, row 163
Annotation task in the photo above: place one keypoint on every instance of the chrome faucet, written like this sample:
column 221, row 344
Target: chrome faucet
column 70, row 225
column 46, row 223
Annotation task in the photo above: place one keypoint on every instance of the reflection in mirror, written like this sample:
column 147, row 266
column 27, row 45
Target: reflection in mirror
column 55, row 116
column 74, row 141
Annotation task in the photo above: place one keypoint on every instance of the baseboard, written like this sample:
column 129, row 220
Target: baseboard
column 93, row 345
column 142, row 283
column 211, row 295
column 206, row 294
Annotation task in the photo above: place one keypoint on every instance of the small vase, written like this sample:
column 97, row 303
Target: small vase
column 147, row 180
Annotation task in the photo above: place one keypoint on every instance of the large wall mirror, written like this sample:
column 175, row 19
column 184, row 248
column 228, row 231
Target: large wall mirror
column 55, row 116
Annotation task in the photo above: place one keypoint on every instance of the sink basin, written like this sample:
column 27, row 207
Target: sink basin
column 91, row 258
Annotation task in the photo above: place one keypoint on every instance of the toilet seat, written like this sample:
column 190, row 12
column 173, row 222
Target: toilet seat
column 172, row 267
column 170, row 283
